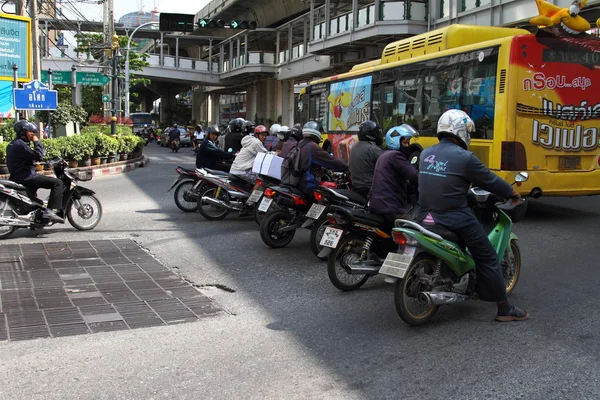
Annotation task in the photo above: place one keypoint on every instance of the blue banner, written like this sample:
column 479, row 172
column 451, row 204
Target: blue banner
column 349, row 104
column 6, row 99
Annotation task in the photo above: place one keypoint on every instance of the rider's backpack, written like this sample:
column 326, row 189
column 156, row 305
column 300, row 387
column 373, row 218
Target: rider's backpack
column 291, row 173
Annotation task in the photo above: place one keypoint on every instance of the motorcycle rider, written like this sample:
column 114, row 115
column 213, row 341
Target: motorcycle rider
column 272, row 139
column 282, row 134
column 209, row 155
column 249, row 127
column 312, row 158
column 20, row 160
column 198, row 137
column 364, row 156
column 251, row 146
column 293, row 137
column 447, row 171
column 174, row 135
column 233, row 139
column 389, row 196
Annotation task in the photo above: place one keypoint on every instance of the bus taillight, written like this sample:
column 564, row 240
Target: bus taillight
column 513, row 157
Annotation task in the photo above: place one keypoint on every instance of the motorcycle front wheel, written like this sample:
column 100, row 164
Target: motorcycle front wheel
column 6, row 210
column 84, row 213
column 406, row 293
column 209, row 210
column 270, row 229
column 511, row 266
column 180, row 198
column 347, row 252
column 316, row 233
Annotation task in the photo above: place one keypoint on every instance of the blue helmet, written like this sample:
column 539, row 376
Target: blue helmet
column 397, row 133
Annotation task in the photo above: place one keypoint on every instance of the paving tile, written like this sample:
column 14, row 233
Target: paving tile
column 62, row 316
column 69, row 330
column 18, row 319
column 28, row 332
column 108, row 326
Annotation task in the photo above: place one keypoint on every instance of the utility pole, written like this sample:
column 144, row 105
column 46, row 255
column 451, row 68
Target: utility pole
column 35, row 34
column 108, row 32
column 20, row 7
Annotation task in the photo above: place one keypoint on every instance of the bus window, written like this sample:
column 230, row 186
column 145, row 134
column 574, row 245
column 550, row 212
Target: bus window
column 408, row 101
column 479, row 94
column 382, row 110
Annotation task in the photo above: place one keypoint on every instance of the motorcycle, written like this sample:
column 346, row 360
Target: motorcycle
column 185, row 185
column 80, row 205
column 262, row 183
column 278, row 227
column 225, row 193
column 174, row 145
column 324, row 198
column 432, row 268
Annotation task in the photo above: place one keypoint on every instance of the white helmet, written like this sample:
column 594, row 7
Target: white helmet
column 274, row 129
column 458, row 124
column 283, row 129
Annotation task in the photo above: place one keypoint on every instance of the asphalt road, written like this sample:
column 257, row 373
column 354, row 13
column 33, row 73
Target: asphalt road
column 289, row 334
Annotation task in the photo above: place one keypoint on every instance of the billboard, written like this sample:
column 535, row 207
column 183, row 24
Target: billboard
column 15, row 47
column 349, row 104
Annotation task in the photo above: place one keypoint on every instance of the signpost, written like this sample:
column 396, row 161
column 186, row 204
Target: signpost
column 105, row 98
column 82, row 78
column 35, row 96
column 15, row 47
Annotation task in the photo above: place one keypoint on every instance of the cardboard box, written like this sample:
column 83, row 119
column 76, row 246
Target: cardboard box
column 267, row 164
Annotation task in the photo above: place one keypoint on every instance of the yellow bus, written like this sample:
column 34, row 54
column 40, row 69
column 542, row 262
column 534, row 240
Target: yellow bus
column 531, row 97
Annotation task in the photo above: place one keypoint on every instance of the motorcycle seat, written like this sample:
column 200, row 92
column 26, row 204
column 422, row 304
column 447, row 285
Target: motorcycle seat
column 217, row 172
column 11, row 185
column 290, row 189
column 352, row 196
column 443, row 232
column 365, row 217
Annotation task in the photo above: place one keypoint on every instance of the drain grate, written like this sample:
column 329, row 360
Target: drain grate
column 75, row 288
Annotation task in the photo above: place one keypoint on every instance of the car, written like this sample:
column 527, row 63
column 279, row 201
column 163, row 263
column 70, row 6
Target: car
column 185, row 138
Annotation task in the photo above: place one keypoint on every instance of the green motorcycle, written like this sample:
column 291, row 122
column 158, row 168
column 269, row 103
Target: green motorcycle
column 431, row 267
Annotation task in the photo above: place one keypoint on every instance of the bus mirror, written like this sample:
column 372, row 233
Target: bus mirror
column 522, row 177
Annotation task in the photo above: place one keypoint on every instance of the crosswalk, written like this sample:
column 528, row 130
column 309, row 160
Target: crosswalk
column 175, row 158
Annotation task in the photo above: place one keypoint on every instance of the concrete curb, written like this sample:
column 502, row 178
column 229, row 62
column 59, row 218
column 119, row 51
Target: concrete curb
column 106, row 169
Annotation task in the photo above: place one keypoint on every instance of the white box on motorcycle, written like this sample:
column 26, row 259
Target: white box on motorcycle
column 267, row 164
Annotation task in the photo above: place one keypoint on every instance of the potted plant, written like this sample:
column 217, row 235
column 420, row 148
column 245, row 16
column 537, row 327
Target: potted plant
column 126, row 146
column 138, row 147
column 3, row 167
column 74, row 150
column 53, row 149
column 112, row 147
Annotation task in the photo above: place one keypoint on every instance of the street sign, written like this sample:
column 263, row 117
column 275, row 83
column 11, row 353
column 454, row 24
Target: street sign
column 58, row 77
column 176, row 22
column 35, row 96
column 203, row 22
column 82, row 78
column 15, row 47
column 105, row 98
column 91, row 79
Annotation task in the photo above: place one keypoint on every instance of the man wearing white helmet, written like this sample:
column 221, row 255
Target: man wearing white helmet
column 272, row 139
column 447, row 171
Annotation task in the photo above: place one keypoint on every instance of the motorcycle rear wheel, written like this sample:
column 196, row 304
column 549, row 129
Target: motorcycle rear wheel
column 6, row 210
column 347, row 251
column 316, row 233
column 89, row 207
column 408, row 288
column 180, row 202
column 211, row 192
column 269, row 229
column 512, row 272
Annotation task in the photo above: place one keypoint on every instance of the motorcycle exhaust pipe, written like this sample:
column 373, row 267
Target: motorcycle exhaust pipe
column 233, row 206
column 441, row 298
column 13, row 222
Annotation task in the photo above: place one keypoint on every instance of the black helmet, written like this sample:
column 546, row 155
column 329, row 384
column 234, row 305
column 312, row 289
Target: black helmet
column 249, row 127
column 24, row 126
column 371, row 132
column 295, row 132
column 236, row 125
column 313, row 130
column 174, row 125
column 212, row 129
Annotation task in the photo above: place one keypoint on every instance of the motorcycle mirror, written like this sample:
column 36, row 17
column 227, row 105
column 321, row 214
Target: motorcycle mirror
column 522, row 177
column 230, row 150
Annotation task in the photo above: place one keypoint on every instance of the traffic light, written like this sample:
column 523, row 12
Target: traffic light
column 219, row 23
column 176, row 22
column 115, row 41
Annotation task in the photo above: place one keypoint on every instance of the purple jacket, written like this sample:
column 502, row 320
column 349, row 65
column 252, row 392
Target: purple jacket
column 388, row 193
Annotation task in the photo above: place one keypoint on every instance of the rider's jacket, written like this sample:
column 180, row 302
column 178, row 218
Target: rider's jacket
column 362, row 164
column 389, row 191
column 20, row 158
column 208, row 154
column 447, row 171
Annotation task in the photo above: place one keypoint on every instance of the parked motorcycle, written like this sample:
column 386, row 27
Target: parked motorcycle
column 226, row 193
column 432, row 268
column 185, row 185
column 80, row 205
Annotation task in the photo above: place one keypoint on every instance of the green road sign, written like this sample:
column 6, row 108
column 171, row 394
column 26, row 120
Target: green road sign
column 105, row 98
column 92, row 79
column 58, row 77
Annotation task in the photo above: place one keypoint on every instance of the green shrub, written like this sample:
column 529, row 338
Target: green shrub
column 3, row 146
column 53, row 147
column 7, row 131
column 126, row 143
column 112, row 145
column 91, row 130
column 79, row 147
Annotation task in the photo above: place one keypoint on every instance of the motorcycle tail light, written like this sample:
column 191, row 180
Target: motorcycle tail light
column 299, row 201
column 269, row 193
column 399, row 238
column 331, row 185
column 259, row 182
column 318, row 196
column 331, row 219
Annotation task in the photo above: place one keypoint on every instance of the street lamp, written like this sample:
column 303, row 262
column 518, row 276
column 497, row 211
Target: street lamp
column 127, row 65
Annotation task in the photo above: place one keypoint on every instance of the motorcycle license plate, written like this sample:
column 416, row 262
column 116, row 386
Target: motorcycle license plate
column 265, row 204
column 331, row 237
column 254, row 196
column 315, row 211
column 396, row 264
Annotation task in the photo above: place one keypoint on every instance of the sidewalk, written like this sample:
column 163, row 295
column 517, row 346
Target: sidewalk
column 105, row 169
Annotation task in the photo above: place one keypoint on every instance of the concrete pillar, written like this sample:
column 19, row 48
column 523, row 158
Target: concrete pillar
column 215, row 108
column 287, row 103
column 199, row 106
column 251, row 104
column 278, row 106
column 167, row 103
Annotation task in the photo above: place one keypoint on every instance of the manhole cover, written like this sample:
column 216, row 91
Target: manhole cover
column 74, row 288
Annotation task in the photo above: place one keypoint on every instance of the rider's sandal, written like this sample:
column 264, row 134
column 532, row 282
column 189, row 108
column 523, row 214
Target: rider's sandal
column 514, row 314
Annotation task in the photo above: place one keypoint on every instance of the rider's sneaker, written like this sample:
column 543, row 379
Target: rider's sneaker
column 51, row 215
column 514, row 314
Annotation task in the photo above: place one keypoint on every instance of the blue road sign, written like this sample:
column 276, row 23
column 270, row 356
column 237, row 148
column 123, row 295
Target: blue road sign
column 35, row 96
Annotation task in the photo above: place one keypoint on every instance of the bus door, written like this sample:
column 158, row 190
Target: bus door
column 382, row 109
